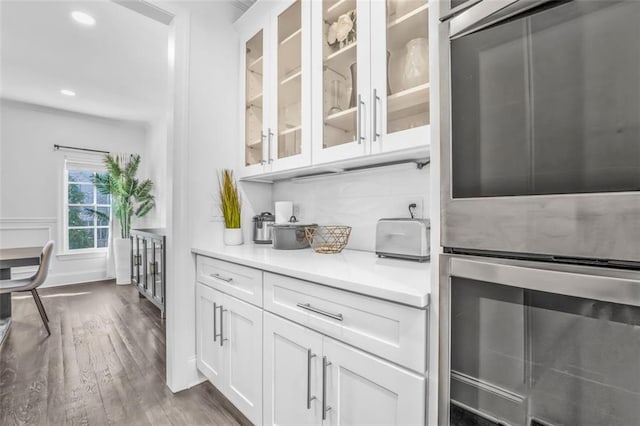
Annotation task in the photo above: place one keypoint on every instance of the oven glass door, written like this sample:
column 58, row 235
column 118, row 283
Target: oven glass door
column 526, row 357
column 548, row 102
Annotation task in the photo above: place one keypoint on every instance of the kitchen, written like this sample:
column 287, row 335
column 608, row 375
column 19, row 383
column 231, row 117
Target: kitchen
column 431, row 213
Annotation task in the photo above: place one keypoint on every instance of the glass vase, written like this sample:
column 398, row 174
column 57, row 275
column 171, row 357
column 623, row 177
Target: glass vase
column 416, row 64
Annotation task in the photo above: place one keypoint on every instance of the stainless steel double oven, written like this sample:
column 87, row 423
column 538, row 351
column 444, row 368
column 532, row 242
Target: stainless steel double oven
column 540, row 280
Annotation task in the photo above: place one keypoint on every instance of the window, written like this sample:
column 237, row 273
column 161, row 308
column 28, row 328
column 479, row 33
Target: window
column 85, row 230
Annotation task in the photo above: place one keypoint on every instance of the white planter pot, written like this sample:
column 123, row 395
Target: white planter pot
column 232, row 236
column 122, row 257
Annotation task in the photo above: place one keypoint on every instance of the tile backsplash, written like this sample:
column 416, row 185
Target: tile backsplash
column 358, row 199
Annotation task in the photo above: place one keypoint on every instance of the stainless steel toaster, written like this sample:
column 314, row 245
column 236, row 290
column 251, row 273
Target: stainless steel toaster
column 403, row 238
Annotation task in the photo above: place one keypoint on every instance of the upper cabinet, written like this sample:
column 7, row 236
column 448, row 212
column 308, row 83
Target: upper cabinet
column 277, row 111
column 341, row 77
column 334, row 80
column 400, row 74
column 291, row 103
column 254, row 113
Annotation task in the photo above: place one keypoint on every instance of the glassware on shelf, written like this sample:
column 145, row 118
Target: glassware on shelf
column 336, row 96
column 416, row 65
column 388, row 85
column 354, row 85
column 289, row 71
column 253, row 102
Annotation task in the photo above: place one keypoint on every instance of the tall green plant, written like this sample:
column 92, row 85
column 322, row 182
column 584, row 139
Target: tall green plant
column 229, row 199
column 129, row 196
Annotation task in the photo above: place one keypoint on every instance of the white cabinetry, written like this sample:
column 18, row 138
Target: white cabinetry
column 394, row 332
column 308, row 103
column 400, row 83
column 312, row 379
column 229, row 348
column 209, row 353
column 276, row 111
column 292, row 371
column 291, row 352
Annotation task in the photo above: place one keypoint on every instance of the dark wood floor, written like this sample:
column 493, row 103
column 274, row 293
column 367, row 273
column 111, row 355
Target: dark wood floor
column 103, row 364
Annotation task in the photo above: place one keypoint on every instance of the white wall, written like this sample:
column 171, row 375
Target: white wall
column 358, row 199
column 203, row 140
column 154, row 167
column 31, row 177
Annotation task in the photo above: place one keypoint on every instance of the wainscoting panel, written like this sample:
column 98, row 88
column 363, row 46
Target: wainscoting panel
column 66, row 269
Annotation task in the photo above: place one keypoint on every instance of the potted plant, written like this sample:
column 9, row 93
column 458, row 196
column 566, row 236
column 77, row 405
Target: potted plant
column 129, row 197
column 231, row 208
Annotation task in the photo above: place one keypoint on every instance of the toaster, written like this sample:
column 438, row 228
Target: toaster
column 403, row 238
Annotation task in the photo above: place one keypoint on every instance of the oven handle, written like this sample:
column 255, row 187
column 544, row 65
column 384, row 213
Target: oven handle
column 477, row 16
column 617, row 286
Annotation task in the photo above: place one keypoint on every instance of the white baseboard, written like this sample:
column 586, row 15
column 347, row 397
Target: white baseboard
column 60, row 279
column 56, row 280
column 191, row 378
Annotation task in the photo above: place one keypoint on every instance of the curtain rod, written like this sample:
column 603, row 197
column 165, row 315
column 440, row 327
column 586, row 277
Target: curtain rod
column 57, row 147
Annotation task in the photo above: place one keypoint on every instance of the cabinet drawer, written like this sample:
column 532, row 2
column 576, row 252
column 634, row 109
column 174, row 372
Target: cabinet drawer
column 240, row 281
column 392, row 331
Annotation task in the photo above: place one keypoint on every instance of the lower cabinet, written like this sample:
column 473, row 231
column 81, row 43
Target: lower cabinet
column 313, row 379
column 229, row 348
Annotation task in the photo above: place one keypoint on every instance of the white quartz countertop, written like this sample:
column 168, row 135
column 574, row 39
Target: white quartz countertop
column 400, row 281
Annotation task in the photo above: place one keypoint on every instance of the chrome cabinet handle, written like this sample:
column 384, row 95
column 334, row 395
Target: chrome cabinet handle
column 215, row 323
column 308, row 307
column 376, row 98
column 262, row 138
column 325, row 408
column 310, row 398
column 270, row 138
column 220, row 277
column 359, row 136
column 153, row 268
column 222, row 339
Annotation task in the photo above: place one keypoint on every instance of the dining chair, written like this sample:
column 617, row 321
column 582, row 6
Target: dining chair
column 32, row 284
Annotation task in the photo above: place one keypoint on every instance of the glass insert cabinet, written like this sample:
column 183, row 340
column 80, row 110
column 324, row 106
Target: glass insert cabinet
column 148, row 259
column 276, row 107
column 324, row 83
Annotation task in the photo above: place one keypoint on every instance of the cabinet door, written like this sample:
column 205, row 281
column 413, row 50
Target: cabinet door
column 242, row 341
column 341, row 88
column 143, row 263
column 155, row 269
column 290, row 41
column 134, row 259
column 209, row 359
column 400, row 74
column 255, row 108
column 136, row 271
column 364, row 390
column 292, row 381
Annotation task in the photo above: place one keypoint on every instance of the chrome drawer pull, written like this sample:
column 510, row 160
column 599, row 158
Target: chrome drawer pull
column 215, row 325
column 308, row 307
column 221, row 334
column 220, row 277
column 325, row 407
column 310, row 398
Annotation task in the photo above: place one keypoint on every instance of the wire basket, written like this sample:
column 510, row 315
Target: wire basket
column 328, row 239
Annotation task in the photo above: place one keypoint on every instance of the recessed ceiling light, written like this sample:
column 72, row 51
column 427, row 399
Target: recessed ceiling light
column 83, row 18
column 68, row 92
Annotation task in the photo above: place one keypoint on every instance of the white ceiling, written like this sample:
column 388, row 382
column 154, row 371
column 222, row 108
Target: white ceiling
column 118, row 68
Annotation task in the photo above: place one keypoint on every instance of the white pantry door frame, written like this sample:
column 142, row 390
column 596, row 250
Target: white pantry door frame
column 181, row 371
